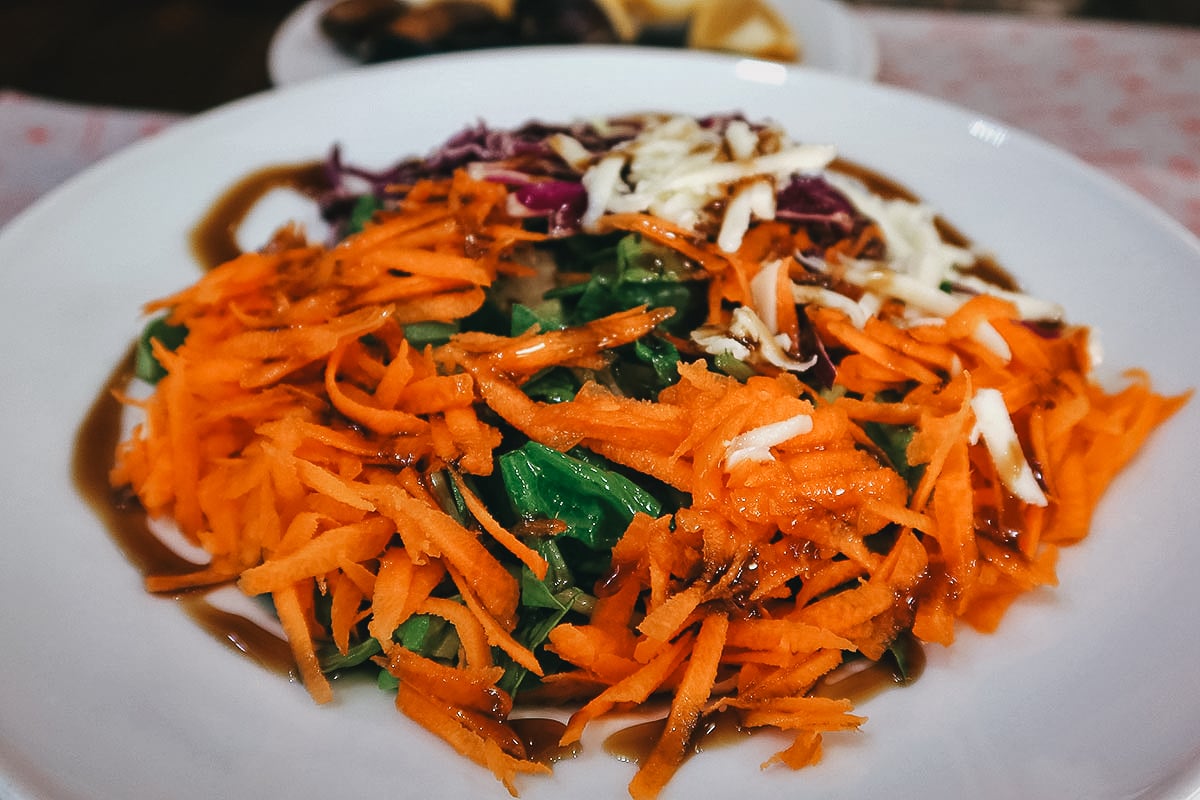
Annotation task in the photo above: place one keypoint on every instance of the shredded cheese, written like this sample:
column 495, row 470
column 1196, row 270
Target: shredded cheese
column 755, row 199
column 569, row 149
column 741, row 139
column 756, row 444
column 820, row 296
column 601, row 183
column 678, row 169
column 994, row 425
column 987, row 335
column 764, row 294
column 919, row 262
column 715, row 344
column 1028, row 306
column 748, row 325
column 747, row 332
column 915, row 246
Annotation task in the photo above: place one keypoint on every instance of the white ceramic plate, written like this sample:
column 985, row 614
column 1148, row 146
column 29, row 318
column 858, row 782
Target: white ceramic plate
column 833, row 38
column 1087, row 691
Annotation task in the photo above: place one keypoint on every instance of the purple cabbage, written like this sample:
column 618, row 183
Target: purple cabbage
column 480, row 143
column 823, row 373
column 520, row 158
column 546, row 187
column 562, row 203
column 810, row 198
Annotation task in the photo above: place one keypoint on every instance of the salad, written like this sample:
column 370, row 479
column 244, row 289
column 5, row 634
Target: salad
column 600, row 413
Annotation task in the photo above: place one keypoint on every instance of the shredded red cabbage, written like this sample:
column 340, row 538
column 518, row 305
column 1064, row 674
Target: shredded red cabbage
column 520, row 157
column 562, row 203
column 810, row 198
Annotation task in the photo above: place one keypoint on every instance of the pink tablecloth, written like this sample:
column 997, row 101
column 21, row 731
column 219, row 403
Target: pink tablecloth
column 42, row 143
column 1125, row 98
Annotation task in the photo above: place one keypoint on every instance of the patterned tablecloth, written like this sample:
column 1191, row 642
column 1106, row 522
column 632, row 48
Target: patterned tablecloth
column 1125, row 98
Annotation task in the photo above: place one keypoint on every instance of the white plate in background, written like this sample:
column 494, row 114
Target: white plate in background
column 1088, row 690
column 833, row 39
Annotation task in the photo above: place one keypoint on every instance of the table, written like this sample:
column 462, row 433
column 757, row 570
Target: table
column 1123, row 97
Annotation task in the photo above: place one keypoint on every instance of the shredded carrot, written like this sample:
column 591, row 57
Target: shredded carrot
column 527, row 555
column 324, row 459
column 691, row 696
column 295, row 622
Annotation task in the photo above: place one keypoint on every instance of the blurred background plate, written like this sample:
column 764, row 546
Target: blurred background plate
column 831, row 35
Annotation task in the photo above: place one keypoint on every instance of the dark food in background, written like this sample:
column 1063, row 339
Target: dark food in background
column 380, row 30
column 350, row 22
column 563, row 22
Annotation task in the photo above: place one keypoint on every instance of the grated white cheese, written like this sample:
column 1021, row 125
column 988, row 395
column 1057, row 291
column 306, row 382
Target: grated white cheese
column 922, row 298
column 601, row 182
column 995, row 426
column 773, row 347
column 920, row 261
column 990, row 338
column 717, row 174
column 756, row 444
column 915, row 247
column 1028, row 306
column 571, row 151
column 820, row 296
column 747, row 333
column 1095, row 348
column 764, row 294
column 741, row 139
column 900, row 286
column 755, row 199
column 677, row 169
column 715, row 344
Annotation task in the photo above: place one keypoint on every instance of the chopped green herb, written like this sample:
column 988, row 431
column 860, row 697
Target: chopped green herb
column 596, row 504
column 146, row 366
column 547, row 316
column 364, row 209
column 420, row 334
column 733, row 367
column 893, row 441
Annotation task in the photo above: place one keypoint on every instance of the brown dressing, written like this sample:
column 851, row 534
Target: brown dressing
column 635, row 743
column 214, row 238
column 95, row 443
column 988, row 269
column 880, row 184
column 243, row 635
column 861, row 679
column 540, row 736
column 855, row 681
